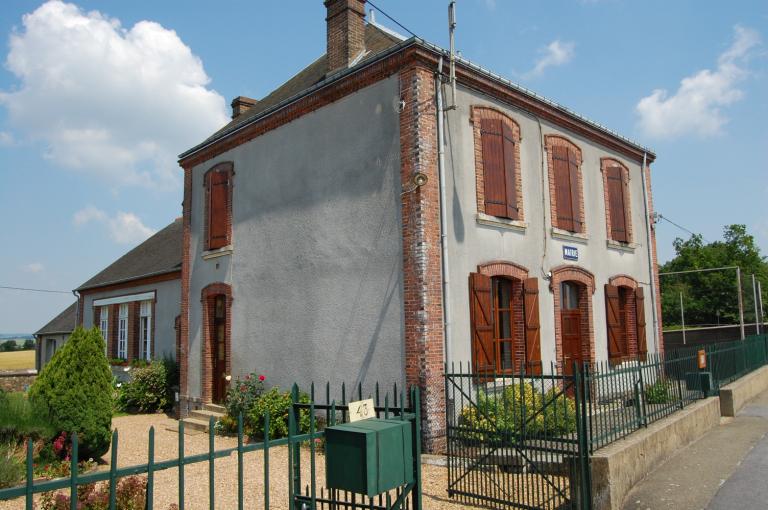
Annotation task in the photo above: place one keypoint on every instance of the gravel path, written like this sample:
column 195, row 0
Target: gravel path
column 132, row 450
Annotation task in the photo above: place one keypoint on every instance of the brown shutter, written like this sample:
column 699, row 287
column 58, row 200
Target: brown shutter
column 510, row 172
column 617, row 204
column 573, row 177
column 532, row 326
column 483, row 354
column 563, row 199
column 642, row 345
column 613, row 317
column 217, row 210
column 493, row 167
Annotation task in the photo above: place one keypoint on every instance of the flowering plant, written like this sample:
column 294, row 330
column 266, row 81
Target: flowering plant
column 243, row 394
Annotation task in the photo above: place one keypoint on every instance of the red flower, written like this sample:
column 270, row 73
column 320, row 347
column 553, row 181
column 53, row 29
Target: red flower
column 261, row 378
column 248, row 377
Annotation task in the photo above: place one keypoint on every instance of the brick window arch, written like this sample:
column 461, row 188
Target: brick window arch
column 625, row 319
column 212, row 293
column 497, row 163
column 583, row 282
column 566, row 187
column 618, row 210
column 218, row 206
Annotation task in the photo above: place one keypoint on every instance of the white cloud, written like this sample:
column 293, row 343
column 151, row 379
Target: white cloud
column 696, row 107
column 34, row 267
column 115, row 102
column 6, row 139
column 554, row 54
column 490, row 4
column 123, row 228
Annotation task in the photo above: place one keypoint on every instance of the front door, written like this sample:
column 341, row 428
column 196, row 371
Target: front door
column 570, row 322
column 219, row 346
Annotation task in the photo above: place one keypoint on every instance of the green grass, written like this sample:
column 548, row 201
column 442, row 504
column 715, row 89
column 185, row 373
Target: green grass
column 17, row 360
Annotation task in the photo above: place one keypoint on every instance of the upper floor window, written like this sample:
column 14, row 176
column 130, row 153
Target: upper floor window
column 218, row 206
column 497, row 164
column 617, row 210
column 565, row 184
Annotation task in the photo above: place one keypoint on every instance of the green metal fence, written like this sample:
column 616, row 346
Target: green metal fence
column 302, row 495
column 727, row 361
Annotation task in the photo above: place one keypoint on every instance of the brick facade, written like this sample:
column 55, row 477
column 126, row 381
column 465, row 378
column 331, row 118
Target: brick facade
column 182, row 348
column 423, row 310
column 654, row 260
column 551, row 141
column 478, row 113
column 606, row 163
column 586, row 282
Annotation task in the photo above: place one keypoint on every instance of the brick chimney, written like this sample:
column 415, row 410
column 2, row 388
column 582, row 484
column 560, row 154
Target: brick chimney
column 242, row 104
column 346, row 32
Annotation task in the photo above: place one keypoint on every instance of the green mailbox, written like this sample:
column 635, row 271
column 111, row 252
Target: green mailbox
column 369, row 456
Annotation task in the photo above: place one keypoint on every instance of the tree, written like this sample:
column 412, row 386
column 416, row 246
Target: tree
column 711, row 297
column 77, row 387
column 8, row 346
column 29, row 344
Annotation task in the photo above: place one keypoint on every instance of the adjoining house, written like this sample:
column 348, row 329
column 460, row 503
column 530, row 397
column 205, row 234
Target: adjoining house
column 363, row 221
column 52, row 336
column 135, row 301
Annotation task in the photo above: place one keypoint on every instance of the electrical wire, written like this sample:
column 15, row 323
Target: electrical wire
column 36, row 290
column 660, row 216
column 393, row 20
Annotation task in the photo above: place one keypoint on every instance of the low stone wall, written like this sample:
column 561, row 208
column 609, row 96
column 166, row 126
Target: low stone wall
column 735, row 395
column 17, row 381
column 619, row 466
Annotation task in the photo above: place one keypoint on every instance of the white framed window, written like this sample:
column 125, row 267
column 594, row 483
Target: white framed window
column 104, row 326
column 122, row 331
column 145, row 329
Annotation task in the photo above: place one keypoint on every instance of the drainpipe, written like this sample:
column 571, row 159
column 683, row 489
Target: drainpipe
column 443, row 212
column 649, row 242
column 77, row 308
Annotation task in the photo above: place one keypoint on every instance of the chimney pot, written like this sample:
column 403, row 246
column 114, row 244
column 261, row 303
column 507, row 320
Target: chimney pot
column 345, row 22
column 242, row 104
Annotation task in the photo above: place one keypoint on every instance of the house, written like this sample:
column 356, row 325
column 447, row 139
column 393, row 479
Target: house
column 53, row 335
column 135, row 301
column 365, row 222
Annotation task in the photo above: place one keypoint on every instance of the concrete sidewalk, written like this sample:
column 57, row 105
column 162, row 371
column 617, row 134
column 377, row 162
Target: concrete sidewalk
column 713, row 472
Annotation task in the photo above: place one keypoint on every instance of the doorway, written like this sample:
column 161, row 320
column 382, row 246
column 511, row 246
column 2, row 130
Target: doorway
column 219, row 348
column 570, row 321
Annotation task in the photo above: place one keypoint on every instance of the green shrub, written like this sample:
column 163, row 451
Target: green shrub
column 76, row 387
column 518, row 410
column 242, row 396
column 131, row 494
column 149, row 389
column 11, row 467
column 660, row 392
column 277, row 404
column 22, row 419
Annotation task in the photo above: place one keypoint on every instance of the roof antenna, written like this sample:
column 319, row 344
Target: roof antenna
column 451, row 33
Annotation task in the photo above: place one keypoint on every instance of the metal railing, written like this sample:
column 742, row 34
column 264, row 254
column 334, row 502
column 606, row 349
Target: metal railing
column 306, row 495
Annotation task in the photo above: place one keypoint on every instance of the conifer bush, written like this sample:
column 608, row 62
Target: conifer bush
column 76, row 385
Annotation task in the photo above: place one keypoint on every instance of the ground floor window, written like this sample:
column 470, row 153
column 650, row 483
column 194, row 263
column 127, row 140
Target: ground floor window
column 625, row 321
column 122, row 331
column 104, row 326
column 145, row 329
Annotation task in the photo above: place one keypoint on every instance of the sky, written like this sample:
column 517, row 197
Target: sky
column 97, row 98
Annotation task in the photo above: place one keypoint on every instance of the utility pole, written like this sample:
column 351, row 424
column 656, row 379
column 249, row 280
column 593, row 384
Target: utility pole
column 741, row 302
column 760, row 300
column 754, row 297
column 682, row 316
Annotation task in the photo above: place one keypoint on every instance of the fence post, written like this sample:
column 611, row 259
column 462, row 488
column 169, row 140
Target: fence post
column 181, row 465
column 73, row 472
column 30, row 474
column 416, row 404
column 583, row 471
column 240, row 461
column 640, row 404
column 151, row 469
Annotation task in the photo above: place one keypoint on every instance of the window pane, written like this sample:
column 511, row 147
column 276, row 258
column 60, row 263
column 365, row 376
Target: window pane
column 505, row 324
column 569, row 296
column 505, row 355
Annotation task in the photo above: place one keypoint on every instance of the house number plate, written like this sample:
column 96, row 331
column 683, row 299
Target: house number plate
column 361, row 410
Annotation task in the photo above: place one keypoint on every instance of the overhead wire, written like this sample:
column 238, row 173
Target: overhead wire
column 393, row 20
column 36, row 290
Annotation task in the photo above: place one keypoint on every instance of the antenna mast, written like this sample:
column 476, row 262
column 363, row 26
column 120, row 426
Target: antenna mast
column 451, row 32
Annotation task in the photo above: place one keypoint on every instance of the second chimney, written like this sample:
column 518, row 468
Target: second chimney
column 242, row 104
column 346, row 32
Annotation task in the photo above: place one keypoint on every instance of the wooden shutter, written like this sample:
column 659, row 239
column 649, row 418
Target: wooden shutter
column 613, row 317
column 532, row 326
column 617, row 204
column 218, row 207
column 642, row 345
column 563, row 196
column 510, row 172
column 481, row 317
column 493, row 167
column 573, row 177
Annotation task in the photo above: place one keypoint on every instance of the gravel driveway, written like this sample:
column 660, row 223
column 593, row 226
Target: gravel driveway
column 133, row 450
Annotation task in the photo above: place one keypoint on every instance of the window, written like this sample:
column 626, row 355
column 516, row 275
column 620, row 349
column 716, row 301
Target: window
column 625, row 317
column 497, row 162
column 218, row 184
column 104, row 325
column 505, row 324
column 617, row 210
column 145, row 329
column 569, row 296
column 122, row 331
column 566, row 172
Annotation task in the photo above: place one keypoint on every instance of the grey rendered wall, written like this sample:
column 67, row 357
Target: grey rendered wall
column 472, row 243
column 316, row 267
column 45, row 352
column 167, row 308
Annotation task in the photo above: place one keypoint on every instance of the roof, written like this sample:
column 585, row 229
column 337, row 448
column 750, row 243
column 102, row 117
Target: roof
column 381, row 43
column 62, row 323
column 158, row 255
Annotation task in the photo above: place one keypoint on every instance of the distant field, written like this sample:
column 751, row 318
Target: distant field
column 17, row 360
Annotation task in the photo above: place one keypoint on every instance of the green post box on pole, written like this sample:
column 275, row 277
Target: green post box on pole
column 369, row 456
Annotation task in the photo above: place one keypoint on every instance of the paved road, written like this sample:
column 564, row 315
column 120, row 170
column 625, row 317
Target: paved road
column 715, row 472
